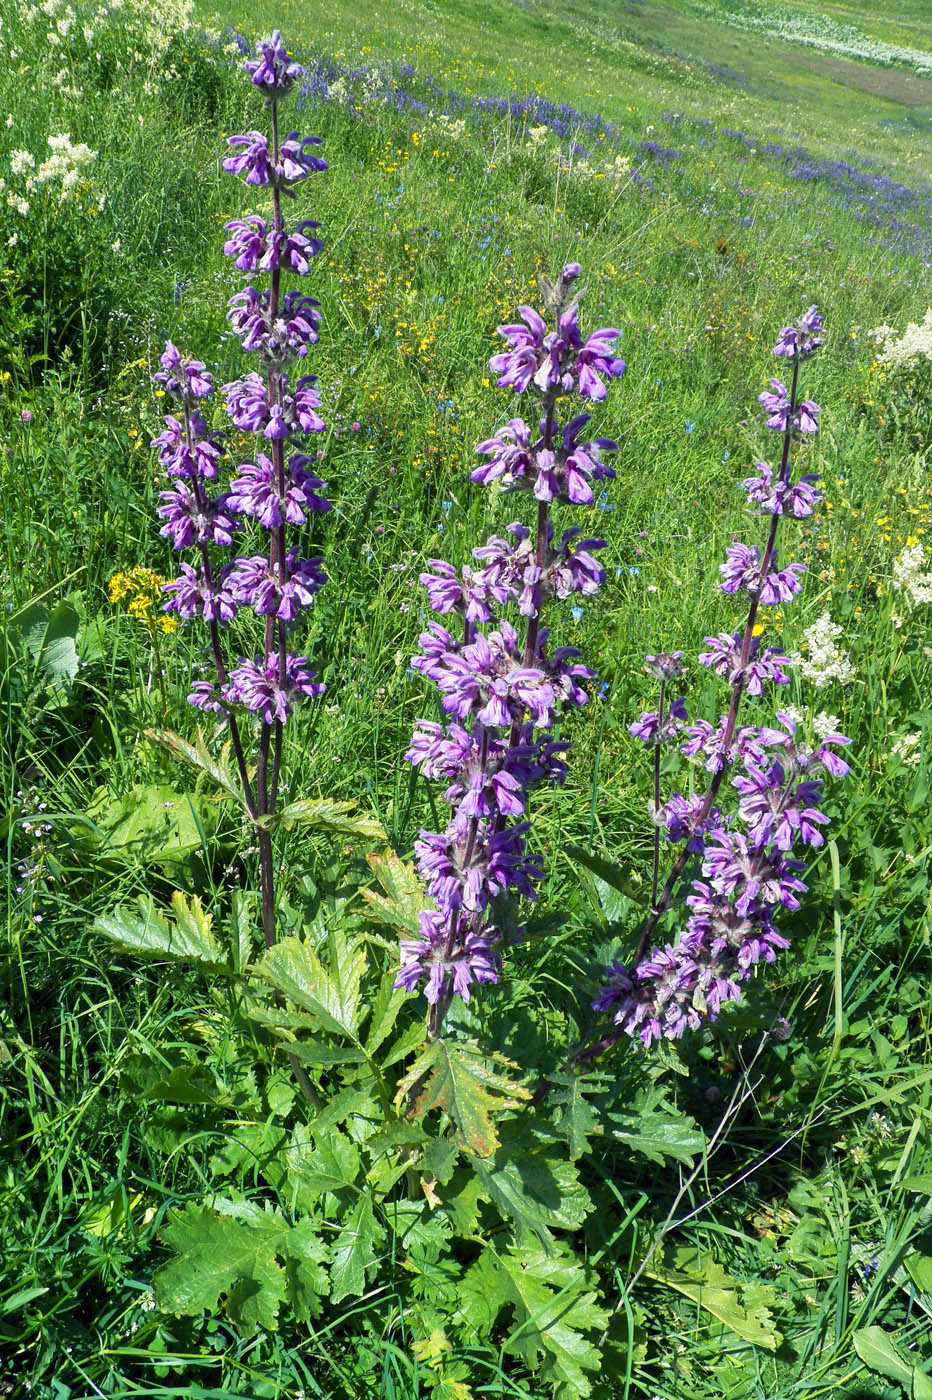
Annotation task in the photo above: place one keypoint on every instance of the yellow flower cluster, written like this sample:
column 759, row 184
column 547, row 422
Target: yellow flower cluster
column 140, row 588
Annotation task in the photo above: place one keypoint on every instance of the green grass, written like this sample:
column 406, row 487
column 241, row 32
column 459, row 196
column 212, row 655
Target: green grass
column 820, row 1191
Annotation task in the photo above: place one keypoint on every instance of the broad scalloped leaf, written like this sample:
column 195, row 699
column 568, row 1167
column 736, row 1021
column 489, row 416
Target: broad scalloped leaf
column 151, row 822
column 576, row 1119
column 699, row 1277
column 354, row 1252
column 331, row 994
column 656, row 1129
column 214, row 1259
column 403, row 898
column 325, row 814
column 189, row 939
column 538, row 1193
column 458, row 1078
column 553, row 1304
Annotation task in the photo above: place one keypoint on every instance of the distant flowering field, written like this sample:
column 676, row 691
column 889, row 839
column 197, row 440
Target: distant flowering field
column 464, row 672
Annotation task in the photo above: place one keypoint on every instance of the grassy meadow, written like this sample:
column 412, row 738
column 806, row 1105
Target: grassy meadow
column 715, row 169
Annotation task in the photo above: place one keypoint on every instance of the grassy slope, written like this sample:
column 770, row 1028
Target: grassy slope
column 699, row 294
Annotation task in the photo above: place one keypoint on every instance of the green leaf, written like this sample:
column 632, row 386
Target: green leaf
column 50, row 638
column 388, row 1002
column 353, row 1253
column 919, row 1268
column 613, row 884
column 458, row 1078
column 220, row 1258
column 312, row 1052
column 324, row 814
column 537, row 1193
column 576, row 1121
column 243, row 911
column 190, row 939
column 657, row 1130
column 878, row 1352
column 150, row 823
column 331, row 995
column 328, row 1163
column 701, row 1279
column 233, row 1253
column 403, row 898
column 199, row 757
column 553, row 1305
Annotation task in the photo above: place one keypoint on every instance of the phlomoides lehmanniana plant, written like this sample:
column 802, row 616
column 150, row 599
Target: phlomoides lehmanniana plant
column 376, row 1147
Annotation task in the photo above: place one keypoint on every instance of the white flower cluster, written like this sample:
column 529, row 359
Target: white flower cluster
column 454, row 127
column 615, row 169
column 908, row 574
column 820, row 32
column 825, row 661
column 148, row 30
column 66, row 163
column 908, row 749
column 903, row 350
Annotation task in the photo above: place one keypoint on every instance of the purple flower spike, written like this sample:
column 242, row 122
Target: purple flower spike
column 255, row 684
column 255, row 492
column 191, row 454
column 270, row 589
column 781, row 497
column 183, row 376
column 196, row 596
column 596, row 358
column 254, row 245
column 777, row 405
column 518, row 365
column 189, row 521
column 274, row 74
column 802, row 338
column 450, row 954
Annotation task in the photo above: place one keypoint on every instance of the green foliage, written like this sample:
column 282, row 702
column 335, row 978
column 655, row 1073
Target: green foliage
column 437, row 1220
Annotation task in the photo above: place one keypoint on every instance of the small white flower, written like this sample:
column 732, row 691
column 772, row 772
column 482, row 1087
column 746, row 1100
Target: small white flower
column 825, row 661
column 908, row 575
column 21, row 161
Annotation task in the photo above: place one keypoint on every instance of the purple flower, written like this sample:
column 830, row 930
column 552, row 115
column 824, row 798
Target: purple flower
column 666, row 666
column 468, row 865
column 254, row 245
column 274, row 74
column 294, row 329
column 255, row 492
column 270, row 589
column 256, row 685
column 512, row 457
column 518, row 365
column 189, row 522
column 724, row 657
column 733, row 863
column 650, row 730
column 450, row 954
column 596, row 358
column 801, row 339
column 776, row 810
column 204, row 697
column 197, row 596
column 742, row 570
column 181, row 457
column 467, row 595
column 183, row 376
column 250, row 408
column 777, row 405
column 681, row 817
column 782, row 497
column 253, row 159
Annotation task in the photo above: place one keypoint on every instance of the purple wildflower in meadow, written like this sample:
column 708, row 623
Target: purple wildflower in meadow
column 273, row 491
column 745, row 870
column 503, row 691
